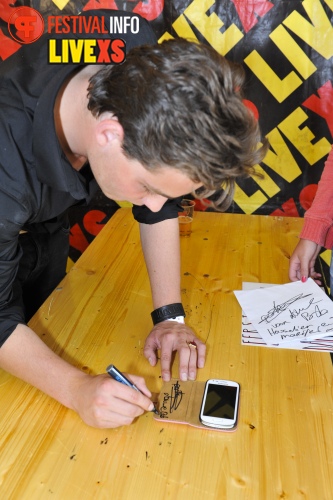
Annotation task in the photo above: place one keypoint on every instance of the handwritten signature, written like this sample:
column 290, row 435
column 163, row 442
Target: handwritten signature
column 308, row 315
column 277, row 309
column 171, row 401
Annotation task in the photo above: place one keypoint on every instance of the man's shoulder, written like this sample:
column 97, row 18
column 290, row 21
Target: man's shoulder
column 16, row 155
column 15, row 128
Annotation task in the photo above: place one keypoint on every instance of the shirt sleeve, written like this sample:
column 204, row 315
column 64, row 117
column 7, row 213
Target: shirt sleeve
column 11, row 304
column 318, row 220
column 169, row 210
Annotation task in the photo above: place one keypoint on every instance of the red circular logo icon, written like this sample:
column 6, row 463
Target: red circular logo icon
column 26, row 25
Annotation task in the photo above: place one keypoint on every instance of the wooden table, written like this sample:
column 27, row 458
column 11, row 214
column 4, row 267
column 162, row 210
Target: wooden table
column 283, row 447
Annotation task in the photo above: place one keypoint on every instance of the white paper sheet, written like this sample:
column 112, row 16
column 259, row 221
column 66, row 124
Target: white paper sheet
column 283, row 314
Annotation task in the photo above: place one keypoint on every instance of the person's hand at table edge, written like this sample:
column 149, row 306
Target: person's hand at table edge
column 170, row 336
column 302, row 261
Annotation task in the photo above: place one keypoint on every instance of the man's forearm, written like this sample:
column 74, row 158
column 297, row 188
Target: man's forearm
column 26, row 356
column 161, row 248
column 99, row 400
column 160, row 244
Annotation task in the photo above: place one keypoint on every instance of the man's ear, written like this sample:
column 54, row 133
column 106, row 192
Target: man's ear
column 107, row 130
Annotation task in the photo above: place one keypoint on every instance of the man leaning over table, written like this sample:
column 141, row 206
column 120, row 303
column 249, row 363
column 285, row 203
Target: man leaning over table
column 168, row 121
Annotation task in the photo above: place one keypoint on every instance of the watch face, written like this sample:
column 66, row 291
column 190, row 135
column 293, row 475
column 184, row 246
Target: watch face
column 179, row 319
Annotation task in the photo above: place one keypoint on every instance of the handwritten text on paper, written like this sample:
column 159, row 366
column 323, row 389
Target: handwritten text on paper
column 283, row 313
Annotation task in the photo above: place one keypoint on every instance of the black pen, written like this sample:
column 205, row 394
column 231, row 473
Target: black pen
column 117, row 375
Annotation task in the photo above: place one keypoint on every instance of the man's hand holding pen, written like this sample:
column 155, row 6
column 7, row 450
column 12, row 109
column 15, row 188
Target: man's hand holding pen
column 103, row 402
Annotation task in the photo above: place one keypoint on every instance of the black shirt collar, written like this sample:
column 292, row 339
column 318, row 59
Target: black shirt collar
column 52, row 166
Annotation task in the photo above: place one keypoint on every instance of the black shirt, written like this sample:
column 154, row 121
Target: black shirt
column 37, row 183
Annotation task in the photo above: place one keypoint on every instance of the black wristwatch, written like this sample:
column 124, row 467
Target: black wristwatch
column 171, row 311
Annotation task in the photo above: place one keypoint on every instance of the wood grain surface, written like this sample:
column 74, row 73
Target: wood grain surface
column 100, row 314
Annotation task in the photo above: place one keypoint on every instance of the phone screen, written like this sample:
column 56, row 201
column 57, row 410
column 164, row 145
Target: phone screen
column 220, row 401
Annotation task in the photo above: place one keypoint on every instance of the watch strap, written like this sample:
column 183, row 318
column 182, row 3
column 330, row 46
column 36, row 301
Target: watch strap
column 167, row 312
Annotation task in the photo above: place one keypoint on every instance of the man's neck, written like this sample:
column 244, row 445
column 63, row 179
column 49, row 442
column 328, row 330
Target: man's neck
column 72, row 117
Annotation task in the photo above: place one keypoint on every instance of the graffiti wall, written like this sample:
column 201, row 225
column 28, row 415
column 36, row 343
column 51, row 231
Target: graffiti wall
column 286, row 49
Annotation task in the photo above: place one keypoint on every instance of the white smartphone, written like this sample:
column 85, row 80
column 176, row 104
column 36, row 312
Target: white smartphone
column 219, row 406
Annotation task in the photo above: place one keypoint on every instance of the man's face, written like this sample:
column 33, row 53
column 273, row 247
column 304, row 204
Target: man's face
column 123, row 179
